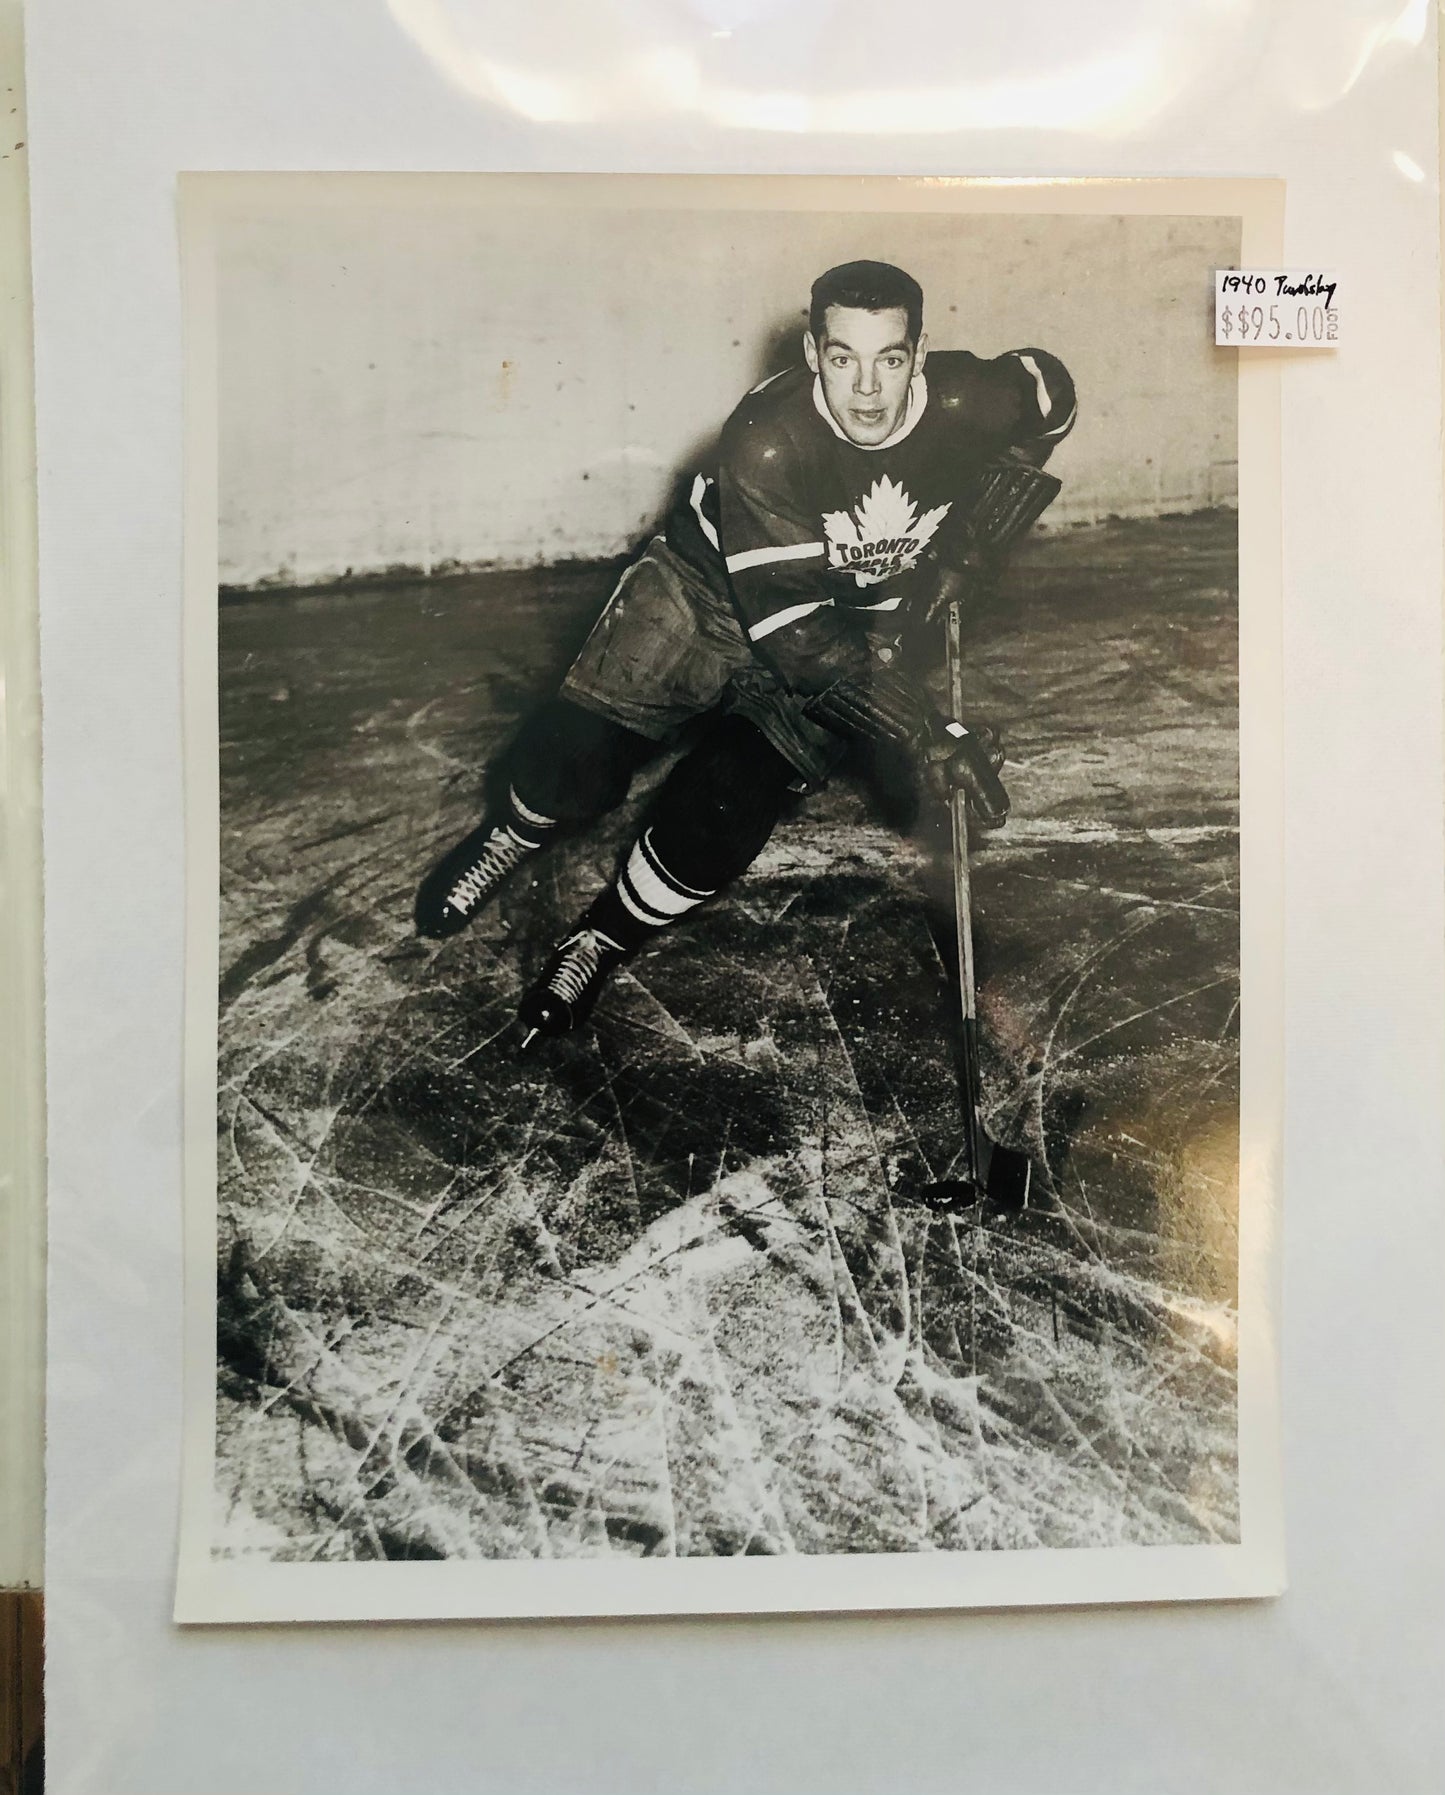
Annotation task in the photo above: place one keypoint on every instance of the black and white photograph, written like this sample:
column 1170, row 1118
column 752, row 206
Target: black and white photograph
column 715, row 990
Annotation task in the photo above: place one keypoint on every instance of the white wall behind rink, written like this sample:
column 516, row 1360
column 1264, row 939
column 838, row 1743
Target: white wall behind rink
column 407, row 388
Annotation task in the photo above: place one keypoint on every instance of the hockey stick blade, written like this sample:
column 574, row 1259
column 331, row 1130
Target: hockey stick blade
column 1009, row 1175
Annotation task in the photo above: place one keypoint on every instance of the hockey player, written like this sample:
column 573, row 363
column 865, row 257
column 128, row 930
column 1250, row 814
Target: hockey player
column 847, row 496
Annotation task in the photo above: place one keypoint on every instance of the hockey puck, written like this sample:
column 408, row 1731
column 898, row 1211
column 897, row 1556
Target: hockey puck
column 949, row 1196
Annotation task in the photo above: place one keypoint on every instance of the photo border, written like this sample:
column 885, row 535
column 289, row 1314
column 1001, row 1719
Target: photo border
column 220, row 1591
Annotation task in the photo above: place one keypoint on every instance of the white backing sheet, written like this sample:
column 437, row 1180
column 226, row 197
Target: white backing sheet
column 1331, row 1688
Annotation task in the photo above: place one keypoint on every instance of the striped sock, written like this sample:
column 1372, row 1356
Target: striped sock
column 644, row 897
column 527, row 827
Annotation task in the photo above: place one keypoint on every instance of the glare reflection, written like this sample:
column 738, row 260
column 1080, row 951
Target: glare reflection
column 1110, row 93
column 630, row 59
column 1330, row 64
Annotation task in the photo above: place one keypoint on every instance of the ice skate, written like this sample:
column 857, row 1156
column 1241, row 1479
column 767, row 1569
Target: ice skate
column 467, row 878
column 570, row 983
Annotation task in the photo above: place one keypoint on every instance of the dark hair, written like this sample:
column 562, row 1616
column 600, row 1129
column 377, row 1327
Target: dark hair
column 867, row 287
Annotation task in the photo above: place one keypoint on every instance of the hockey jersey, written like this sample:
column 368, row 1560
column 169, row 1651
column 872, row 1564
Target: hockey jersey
column 813, row 537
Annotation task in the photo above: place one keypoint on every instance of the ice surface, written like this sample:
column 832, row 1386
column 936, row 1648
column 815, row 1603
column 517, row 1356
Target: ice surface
column 661, row 1288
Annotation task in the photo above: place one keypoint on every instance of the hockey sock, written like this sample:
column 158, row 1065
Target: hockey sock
column 710, row 820
column 528, row 827
column 644, row 897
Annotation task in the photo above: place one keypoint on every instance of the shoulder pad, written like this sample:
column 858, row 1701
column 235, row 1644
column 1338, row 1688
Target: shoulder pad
column 1044, row 394
column 763, row 428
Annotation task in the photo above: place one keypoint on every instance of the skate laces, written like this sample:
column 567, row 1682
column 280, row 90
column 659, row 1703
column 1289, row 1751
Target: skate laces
column 499, row 856
column 579, row 962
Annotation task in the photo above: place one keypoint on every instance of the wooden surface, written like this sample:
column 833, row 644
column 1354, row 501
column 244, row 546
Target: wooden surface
column 21, row 1665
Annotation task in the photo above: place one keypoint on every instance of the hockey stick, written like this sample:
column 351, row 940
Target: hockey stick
column 1002, row 1174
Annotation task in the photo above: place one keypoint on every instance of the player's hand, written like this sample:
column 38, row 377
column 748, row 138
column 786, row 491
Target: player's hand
column 967, row 757
column 970, row 581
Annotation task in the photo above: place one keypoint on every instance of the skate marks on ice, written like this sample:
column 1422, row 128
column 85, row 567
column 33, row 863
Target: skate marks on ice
column 654, row 1295
column 659, row 1289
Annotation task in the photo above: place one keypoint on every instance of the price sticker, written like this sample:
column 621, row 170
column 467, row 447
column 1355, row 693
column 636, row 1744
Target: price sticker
column 1275, row 308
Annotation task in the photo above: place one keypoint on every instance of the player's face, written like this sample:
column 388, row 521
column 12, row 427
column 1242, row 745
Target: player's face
column 865, row 362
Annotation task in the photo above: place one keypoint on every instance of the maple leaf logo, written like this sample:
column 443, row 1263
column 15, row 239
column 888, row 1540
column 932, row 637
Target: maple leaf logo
column 884, row 534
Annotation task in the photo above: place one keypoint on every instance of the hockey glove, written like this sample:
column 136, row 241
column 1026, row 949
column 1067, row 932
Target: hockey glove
column 887, row 706
column 1006, row 501
column 881, row 705
column 967, row 758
